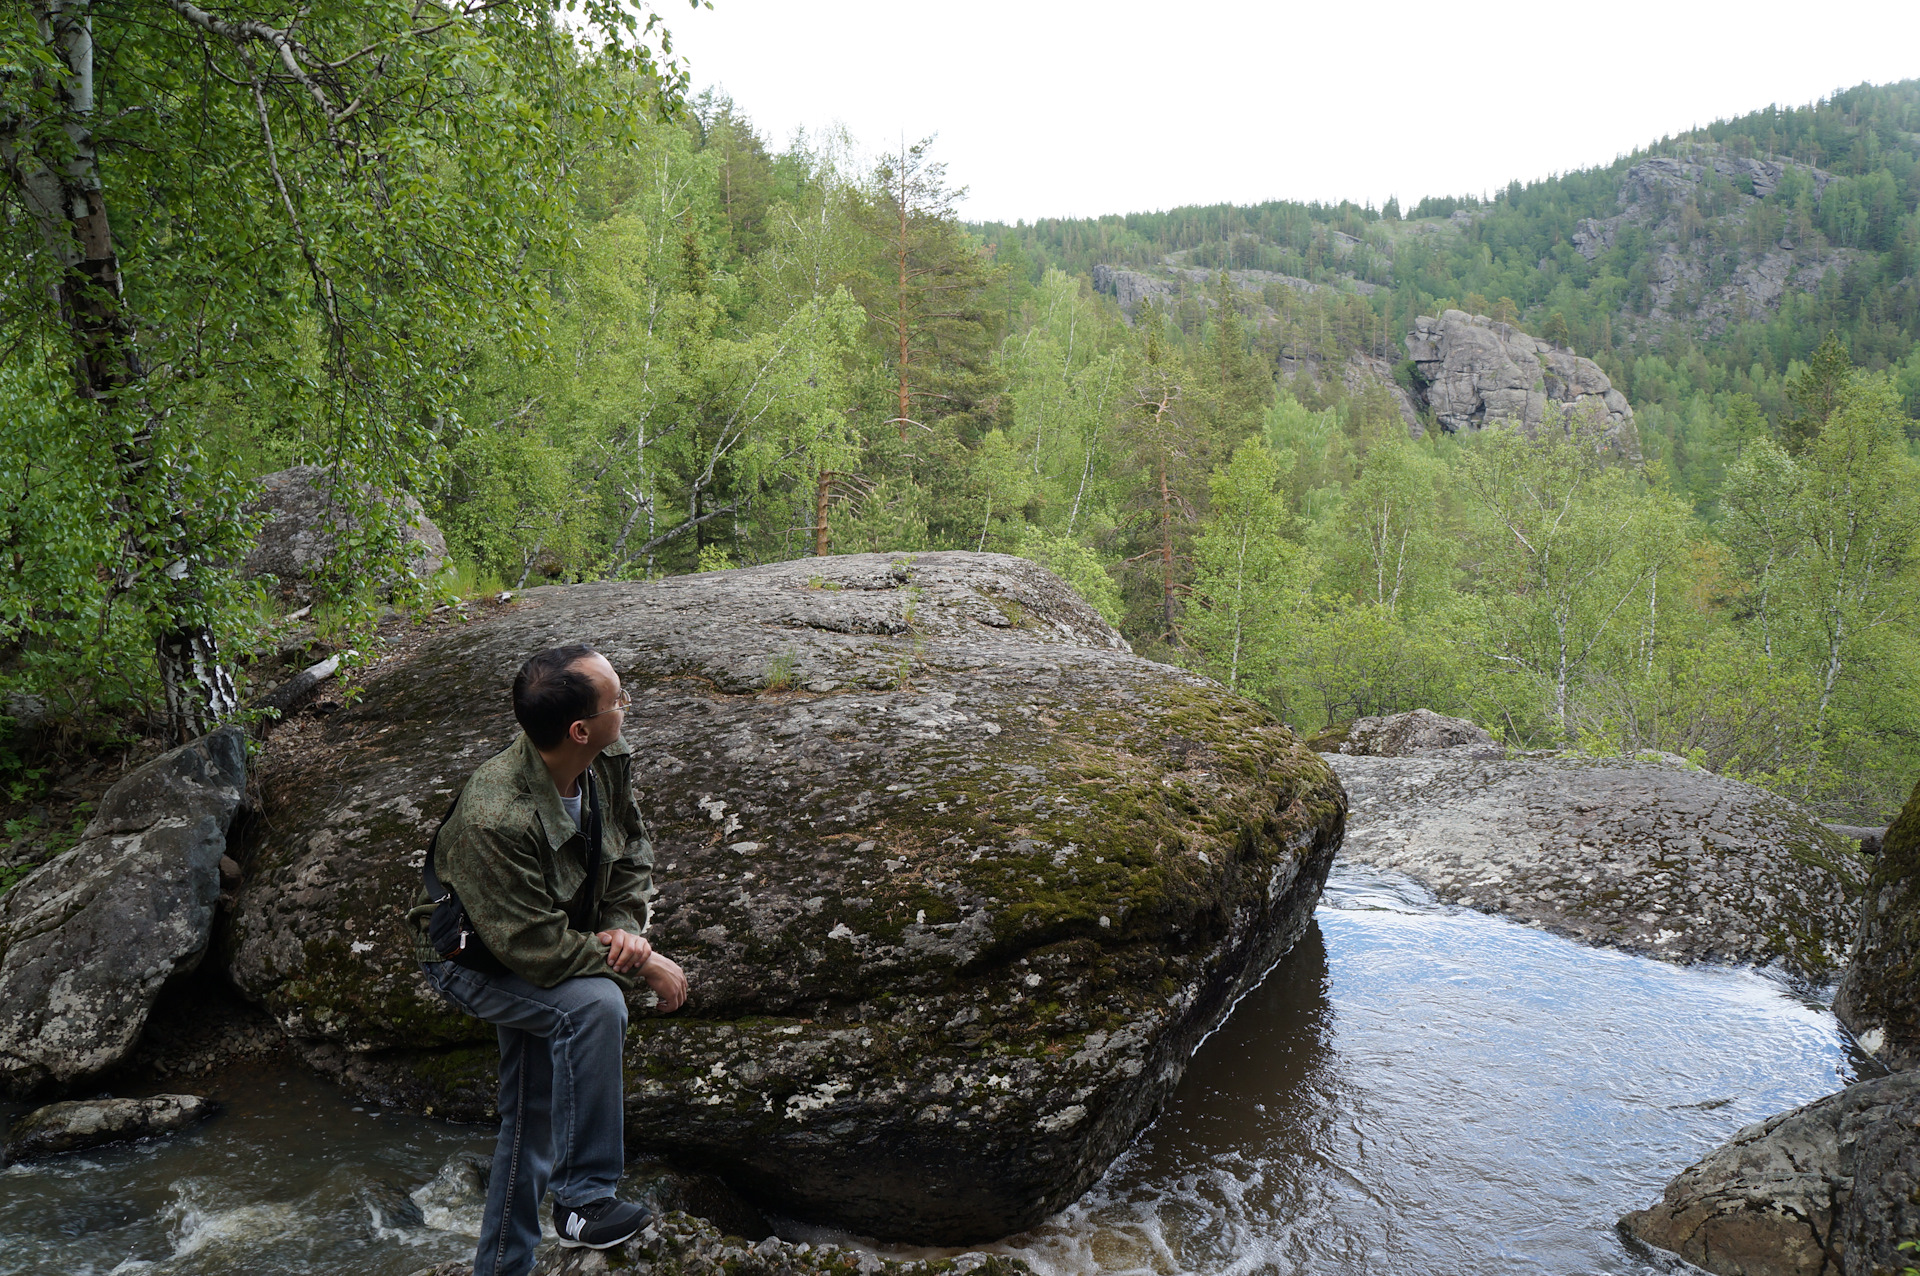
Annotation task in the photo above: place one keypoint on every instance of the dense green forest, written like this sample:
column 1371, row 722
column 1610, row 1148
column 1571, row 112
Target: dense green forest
column 603, row 330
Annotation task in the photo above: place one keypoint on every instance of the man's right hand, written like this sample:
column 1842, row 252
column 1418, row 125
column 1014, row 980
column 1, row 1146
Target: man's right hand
column 668, row 981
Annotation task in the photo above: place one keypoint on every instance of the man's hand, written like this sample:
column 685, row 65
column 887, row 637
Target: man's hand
column 626, row 951
column 668, row 981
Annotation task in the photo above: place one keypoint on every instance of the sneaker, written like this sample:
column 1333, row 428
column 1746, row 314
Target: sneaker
column 600, row 1225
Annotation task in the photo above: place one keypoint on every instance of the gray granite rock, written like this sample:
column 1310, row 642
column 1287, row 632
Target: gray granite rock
column 1681, row 865
column 1879, row 998
column 304, row 517
column 678, row 1244
column 1419, row 733
column 89, row 1123
column 681, row 1245
column 1884, row 1209
column 1774, row 1199
column 1474, row 372
column 958, row 880
column 88, row 939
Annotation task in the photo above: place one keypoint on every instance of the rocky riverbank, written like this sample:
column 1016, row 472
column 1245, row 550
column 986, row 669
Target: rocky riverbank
column 1674, row 863
column 1831, row 1188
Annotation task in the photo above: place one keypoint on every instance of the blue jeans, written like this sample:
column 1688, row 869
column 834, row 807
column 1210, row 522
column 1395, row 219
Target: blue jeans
column 560, row 1100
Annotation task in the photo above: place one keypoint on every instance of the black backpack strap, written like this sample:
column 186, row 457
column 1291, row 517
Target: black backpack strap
column 436, row 893
column 590, row 899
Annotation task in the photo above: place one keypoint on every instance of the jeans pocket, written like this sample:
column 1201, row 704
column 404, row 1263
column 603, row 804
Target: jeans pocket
column 454, row 983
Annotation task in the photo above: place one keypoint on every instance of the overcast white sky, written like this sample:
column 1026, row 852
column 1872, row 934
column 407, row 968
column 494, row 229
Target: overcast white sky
column 1070, row 108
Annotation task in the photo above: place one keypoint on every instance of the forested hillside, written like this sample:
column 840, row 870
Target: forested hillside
column 660, row 344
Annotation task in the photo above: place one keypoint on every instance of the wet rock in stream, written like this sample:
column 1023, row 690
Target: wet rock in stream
column 1879, row 998
column 958, row 881
column 1818, row 1191
column 1676, row 864
column 91, row 1123
column 677, row 1244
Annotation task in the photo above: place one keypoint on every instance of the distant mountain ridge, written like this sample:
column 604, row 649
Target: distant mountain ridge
column 1743, row 243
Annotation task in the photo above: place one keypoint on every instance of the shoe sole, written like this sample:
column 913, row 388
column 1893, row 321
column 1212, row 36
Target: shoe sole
column 621, row 1240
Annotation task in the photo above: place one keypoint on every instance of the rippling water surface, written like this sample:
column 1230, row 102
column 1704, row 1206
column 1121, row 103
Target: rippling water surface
column 1414, row 1089
column 1421, row 1089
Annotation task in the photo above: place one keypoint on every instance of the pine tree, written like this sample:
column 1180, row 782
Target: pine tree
column 1815, row 393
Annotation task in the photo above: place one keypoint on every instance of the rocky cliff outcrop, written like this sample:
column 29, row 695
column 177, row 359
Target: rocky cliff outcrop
column 958, row 881
column 1473, row 372
column 89, row 939
column 304, row 518
column 1681, row 865
column 1811, row 1192
column 1879, row 997
column 1706, row 196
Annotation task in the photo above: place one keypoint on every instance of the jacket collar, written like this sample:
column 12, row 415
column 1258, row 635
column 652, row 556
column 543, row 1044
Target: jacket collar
column 537, row 783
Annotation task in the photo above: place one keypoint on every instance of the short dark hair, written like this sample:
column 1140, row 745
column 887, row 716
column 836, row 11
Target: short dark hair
column 550, row 694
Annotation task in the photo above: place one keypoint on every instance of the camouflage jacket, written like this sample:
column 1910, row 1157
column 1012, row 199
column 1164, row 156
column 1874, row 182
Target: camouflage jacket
column 515, row 858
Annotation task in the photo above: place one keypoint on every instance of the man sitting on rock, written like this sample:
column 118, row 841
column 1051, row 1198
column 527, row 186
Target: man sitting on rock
column 552, row 950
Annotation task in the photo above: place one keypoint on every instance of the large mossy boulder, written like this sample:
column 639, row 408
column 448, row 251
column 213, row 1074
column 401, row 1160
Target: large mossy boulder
column 1879, row 997
column 958, row 881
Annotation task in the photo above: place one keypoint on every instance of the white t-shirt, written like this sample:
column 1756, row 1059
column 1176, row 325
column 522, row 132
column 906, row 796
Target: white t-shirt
column 573, row 806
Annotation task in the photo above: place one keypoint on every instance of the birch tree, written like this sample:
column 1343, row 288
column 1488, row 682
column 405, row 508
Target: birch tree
column 1828, row 539
column 1245, row 570
column 1566, row 548
column 318, row 198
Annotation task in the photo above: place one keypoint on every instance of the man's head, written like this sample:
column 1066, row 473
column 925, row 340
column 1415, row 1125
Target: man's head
column 568, row 695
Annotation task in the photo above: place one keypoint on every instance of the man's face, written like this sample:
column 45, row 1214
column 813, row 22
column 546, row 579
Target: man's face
column 603, row 728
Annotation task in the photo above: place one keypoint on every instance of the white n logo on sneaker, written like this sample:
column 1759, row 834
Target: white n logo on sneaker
column 575, row 1225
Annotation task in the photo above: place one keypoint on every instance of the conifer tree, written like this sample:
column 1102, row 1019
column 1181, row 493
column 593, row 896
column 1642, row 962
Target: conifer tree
column 1815, row 393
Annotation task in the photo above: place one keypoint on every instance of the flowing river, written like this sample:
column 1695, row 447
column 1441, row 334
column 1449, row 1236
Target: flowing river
column 1414, row 1088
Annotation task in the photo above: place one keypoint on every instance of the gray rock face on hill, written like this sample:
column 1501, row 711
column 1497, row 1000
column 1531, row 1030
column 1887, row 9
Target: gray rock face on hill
column 1680, row 865
column 1879, row 997
column 1476, row 372
column 958, row 880
column 1711, row 269
column 297, row 542
column 1811, row 1192
column 88, row 939
column 90, row 1123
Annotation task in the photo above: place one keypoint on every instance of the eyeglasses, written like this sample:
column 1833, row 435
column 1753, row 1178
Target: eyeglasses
column 622, row 701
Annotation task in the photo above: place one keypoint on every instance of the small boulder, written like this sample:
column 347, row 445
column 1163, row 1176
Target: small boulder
column 1676, row 864
column 1868, row 837
column 1774, row 1199
column 90, row 1123
column 88, row 939
column 1418, row 734
column 303, row 519
column 1879, row 997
